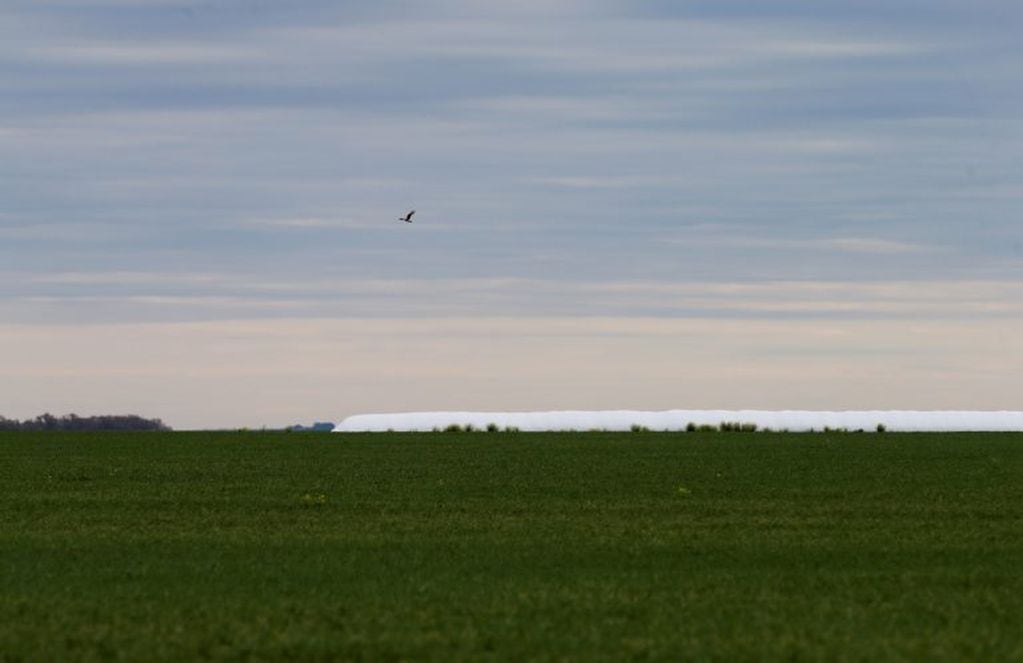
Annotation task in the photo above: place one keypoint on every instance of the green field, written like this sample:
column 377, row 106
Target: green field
column 612, row 546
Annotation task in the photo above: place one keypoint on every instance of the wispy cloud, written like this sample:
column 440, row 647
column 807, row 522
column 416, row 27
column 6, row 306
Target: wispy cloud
column 869, row 245
column 315, row 222
column 140, row 295
column 605, row 46
column 141, row 54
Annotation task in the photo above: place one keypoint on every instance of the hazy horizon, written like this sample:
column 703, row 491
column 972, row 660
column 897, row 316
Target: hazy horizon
column 634, row 205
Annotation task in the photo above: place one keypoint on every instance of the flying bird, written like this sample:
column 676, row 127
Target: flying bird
column 408, row 217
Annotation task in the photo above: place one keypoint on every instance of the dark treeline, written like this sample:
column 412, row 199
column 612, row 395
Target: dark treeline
column 109, row 422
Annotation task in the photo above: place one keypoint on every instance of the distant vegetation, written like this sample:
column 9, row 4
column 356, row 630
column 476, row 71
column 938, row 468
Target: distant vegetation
column 469, row 428
column 72, row 422
column 723, row 427
column 318, row 427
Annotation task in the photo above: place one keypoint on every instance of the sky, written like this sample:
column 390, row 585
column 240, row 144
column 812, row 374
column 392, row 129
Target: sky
column 807, row 204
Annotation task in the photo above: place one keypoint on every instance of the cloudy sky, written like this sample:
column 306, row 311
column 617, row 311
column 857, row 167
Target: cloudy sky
column 642, row 204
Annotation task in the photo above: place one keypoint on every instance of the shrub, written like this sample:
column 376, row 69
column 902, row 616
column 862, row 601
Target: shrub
column 690, row 427
column 453, row 428
column 492, row 428
column 511, row 429
column 881, row 428
column 737, row 427
column 636, row 428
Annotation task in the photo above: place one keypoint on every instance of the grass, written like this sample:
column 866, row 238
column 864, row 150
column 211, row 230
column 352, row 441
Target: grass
column 599, row 546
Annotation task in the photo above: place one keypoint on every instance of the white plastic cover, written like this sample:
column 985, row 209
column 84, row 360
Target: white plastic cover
column 674, row 420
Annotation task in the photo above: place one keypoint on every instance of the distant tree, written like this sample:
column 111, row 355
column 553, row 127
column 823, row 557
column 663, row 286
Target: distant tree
column 46, row 421
column 318, row 427
column 72, row 422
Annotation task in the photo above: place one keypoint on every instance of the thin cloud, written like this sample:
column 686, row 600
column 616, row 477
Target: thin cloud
column 144, row 54
column 598, row 47
column 223, row 294
column 867, row 245
column 299, row 223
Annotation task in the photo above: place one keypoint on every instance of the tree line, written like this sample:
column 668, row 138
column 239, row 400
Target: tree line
column 69, row 422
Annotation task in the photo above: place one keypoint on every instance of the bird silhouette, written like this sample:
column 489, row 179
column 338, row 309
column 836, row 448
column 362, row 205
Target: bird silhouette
column 408, row 217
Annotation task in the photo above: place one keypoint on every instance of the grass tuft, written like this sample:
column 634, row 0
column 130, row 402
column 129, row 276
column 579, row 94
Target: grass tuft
column 313, row 499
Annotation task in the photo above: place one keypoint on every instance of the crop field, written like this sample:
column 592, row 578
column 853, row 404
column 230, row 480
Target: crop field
column 505, row 546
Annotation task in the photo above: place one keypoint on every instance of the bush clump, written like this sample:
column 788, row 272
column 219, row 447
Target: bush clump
column 737, row 427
